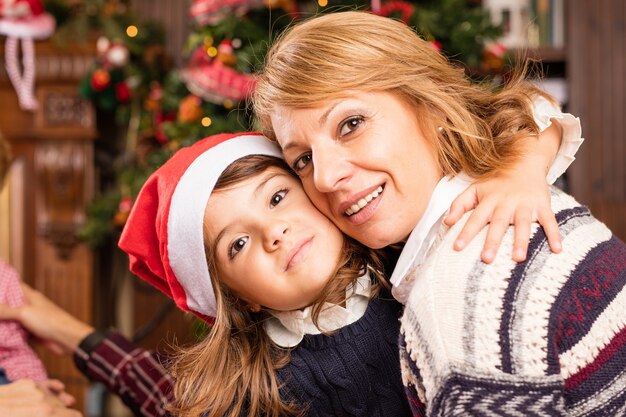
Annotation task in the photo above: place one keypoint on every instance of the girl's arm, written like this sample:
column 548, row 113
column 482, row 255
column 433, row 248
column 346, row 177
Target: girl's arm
column 520, row 195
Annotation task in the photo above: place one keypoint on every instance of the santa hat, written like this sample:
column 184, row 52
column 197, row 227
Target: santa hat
column 164, row 232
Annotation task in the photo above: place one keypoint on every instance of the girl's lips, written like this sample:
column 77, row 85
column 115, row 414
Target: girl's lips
column 298, row 253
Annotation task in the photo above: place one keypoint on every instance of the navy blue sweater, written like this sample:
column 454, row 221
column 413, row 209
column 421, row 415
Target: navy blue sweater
column 355, row 371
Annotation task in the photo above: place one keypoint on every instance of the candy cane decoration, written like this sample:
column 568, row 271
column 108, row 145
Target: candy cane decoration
column 22, row 21
column 24, row 84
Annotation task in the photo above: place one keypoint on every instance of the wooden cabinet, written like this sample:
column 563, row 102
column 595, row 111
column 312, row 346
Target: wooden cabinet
column 50, row 183
column 596, row 72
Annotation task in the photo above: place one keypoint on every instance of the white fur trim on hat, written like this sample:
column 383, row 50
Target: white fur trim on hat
column 186, row 217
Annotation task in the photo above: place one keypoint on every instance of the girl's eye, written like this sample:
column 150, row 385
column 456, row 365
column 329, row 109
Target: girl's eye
column 237, row 246
column 277, row 198
column 350, row 125
column 301, row 163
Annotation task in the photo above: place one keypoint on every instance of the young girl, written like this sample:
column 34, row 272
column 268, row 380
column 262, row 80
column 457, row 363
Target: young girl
column 302, row 323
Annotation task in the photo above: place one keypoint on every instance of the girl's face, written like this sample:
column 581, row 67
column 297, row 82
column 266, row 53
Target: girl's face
column 363, row 161
column 272, row 246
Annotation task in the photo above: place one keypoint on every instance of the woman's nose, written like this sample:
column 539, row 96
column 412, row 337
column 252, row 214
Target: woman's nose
column 330, row 168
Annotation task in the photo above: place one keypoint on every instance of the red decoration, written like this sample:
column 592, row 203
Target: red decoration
column 159, row 119
column 215, row 82
column 23, row 21
column 405, row 9
column 100, row 79
column 122, row 92
column 190, row 109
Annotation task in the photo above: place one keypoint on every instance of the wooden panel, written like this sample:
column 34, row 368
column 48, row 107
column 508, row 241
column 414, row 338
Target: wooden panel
column 596, row 69
column 50, row 185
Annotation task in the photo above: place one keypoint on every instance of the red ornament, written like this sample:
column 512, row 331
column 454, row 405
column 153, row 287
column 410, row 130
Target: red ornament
column 405, row 9
column 215, row 82
column 22, row 22
column 122, row 92
column 100, row 80
column 159, row 119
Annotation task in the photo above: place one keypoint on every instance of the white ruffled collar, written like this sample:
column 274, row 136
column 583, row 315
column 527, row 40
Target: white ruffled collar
column 421, row 238
column 287, row 328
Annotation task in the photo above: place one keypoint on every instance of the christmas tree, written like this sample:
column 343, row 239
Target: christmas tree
column 159, row 108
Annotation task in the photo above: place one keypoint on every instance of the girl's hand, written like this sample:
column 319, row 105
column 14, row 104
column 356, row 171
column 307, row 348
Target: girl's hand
column 508, row 199
column 518, row 196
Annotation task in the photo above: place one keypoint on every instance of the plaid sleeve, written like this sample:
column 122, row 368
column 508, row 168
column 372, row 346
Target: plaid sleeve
column 135, row 374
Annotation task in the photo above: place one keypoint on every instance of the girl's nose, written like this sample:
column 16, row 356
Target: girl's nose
column 275, row 233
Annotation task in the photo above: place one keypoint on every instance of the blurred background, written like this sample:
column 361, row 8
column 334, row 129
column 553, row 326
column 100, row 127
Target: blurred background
column 120, row 85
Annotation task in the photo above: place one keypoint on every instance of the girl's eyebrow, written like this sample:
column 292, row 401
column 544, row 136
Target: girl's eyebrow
column 265, row 180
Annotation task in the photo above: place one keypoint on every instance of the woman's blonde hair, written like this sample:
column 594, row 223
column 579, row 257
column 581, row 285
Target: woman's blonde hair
column 331, row 56
column 5, row 159
column 232, row 371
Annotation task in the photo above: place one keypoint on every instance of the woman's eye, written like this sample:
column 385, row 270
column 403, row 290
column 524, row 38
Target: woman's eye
column 237, row 246
column 301, row 163
column 277, row 198
column 350, row 125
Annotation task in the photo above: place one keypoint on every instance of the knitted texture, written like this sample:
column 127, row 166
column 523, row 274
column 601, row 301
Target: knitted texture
column 352, row 372
column 546, row 337
column 16, row 357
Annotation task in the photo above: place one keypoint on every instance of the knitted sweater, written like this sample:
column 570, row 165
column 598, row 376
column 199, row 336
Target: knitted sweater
column 352, row 372
column 546, row 337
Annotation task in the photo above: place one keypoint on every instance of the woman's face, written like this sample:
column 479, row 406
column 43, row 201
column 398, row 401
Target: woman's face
column 272, row 246
column 363, row 161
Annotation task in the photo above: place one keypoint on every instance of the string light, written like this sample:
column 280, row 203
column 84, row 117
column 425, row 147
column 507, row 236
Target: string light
column 322, row 3
column 132, row 31
column 212, row 51
column 228, row 104
column 206, row 121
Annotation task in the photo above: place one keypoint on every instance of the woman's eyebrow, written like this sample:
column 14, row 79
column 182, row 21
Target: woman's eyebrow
column 325, row 115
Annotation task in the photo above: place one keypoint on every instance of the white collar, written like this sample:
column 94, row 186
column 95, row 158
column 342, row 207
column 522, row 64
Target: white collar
column 287, row 328
column 421, row 238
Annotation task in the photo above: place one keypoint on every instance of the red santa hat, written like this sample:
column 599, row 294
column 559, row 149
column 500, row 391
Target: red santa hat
column 164, row 232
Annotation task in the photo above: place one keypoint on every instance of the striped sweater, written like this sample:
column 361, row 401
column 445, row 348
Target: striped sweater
column 546, row 337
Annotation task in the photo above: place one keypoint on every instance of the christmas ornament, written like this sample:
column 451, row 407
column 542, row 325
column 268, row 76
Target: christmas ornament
column 213, row 81
column 226, row 53
column 211, row 12
column 23, row 21
column 397, row 6
column 112, row 54
column 190, row 109
column 100, row 80
column 122, row 92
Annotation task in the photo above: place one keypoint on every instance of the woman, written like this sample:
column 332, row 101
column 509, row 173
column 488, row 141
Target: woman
column 546, row 335
column 312, row 69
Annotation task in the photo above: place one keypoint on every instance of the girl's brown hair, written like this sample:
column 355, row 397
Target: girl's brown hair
column 334, row 55
column 232, row 371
